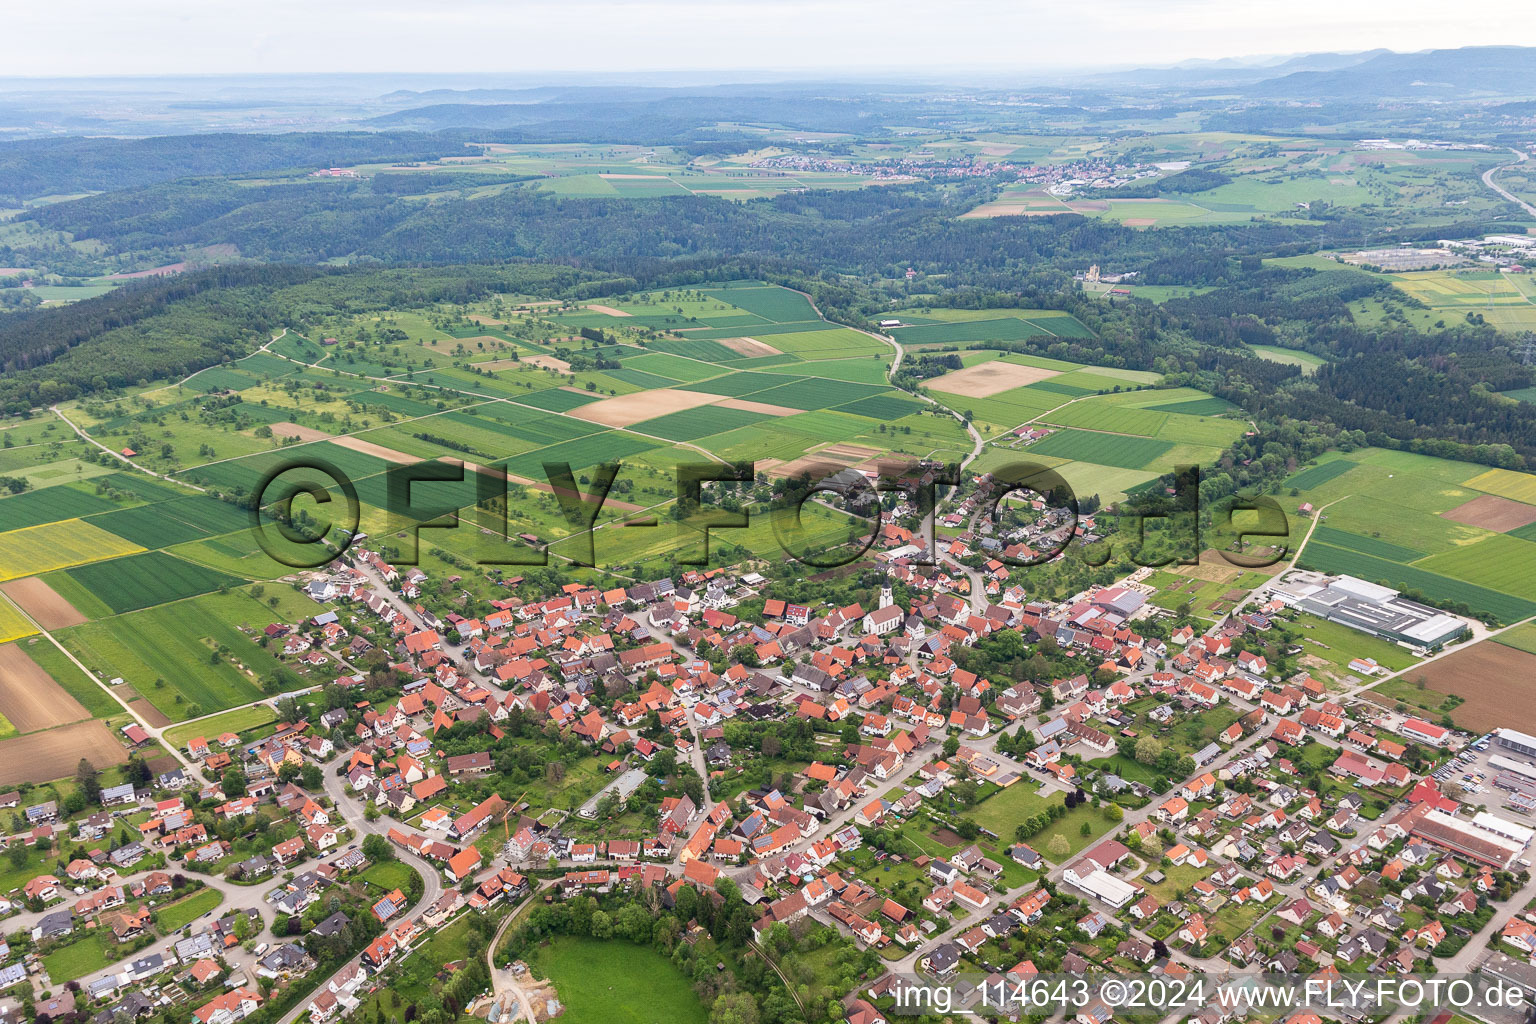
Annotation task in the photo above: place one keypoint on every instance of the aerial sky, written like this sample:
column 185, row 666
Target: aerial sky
column 917, row 37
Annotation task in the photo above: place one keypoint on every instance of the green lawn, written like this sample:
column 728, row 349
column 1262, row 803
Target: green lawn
column 1001, row 812
column 616, row 983
column 1069, row 826
column 1338, row 645
column 389, row 875
column 231, row 721
column 80, row 957
column 1177, row 879
column 14, row 877
column 1232, row 920
column 1129, row 769
column 1197, row 731
column 183, row 912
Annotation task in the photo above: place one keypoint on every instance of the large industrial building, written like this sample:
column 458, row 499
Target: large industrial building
column 1519, row 742
column 1371, row 608
column 1486, row 839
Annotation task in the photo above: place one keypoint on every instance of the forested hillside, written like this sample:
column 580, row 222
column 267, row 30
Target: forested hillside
column 38, row 167
column 166, row 330
column 867, row 232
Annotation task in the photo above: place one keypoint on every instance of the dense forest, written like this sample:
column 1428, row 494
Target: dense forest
column 38, row 167
column 848, row 248
column 868, row 232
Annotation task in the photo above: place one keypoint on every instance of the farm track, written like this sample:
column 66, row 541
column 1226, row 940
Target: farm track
column 154, row 730
column 119, row 456
column 977, row 443
column 665, row 442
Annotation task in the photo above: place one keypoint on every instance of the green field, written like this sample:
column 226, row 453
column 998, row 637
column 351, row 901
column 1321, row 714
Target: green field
column 1384, row 519
column 1499, row 562
column 1316, row 476
column 967, row 332
column 152, row 578
column 941, row 325
column 237, row 721
column 616, row 983
column 1338, row 645
column 1095, row 414
column 779, row 305
column 1103, row 449
column 883, row 407
column 556, row 399
column 1196, row 407
column 742, row 383
column 50, row 504
column 1454, row 293
column 814, row 393
column 1521, row 638
column 1365, row 545
column 175, row 916
column 176, row 521
column 182, row 647
column 1290, row 356
column 690, row 424
column 866, row 370
column 1505, row 607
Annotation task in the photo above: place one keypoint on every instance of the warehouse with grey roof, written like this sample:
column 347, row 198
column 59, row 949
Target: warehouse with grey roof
column 1372, row 608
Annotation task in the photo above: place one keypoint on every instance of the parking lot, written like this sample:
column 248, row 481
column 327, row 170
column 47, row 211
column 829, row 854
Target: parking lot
column 1472, row 771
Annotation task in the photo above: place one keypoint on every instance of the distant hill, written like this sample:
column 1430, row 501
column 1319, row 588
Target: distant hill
column 1210, row 73
column 1434, row 74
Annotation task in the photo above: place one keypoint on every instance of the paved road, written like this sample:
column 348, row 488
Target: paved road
column 111, row 691
column 976, row 440
column 1520, row 158
column 236, row 897
column 352, row 812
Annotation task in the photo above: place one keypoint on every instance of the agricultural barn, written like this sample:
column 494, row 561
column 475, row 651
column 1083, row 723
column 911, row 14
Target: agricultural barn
column 1374, row 609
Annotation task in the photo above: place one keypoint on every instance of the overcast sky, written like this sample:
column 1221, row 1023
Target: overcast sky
column 93, row 37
